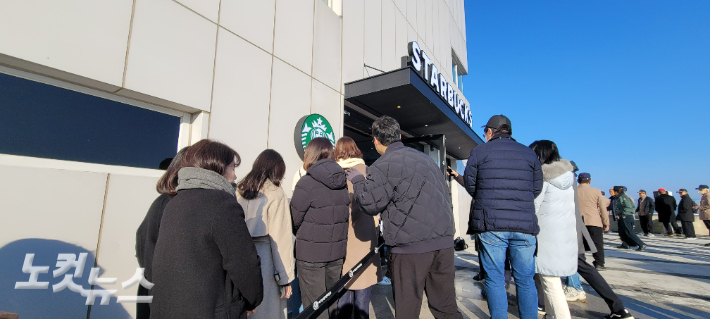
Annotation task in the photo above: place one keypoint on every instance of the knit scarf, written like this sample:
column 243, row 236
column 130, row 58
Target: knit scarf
column 193, row 177
column 350, row 162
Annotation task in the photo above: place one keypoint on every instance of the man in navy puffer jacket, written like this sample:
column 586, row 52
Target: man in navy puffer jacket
column 504, row 177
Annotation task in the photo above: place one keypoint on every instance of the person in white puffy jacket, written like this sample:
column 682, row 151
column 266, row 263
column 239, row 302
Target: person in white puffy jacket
column 557, row 242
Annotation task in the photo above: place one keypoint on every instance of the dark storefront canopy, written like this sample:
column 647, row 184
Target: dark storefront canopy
column 419, row 109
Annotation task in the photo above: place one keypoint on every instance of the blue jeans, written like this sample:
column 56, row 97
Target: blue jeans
column 521, row 250
column 355, row 304
column 295, row 306
column 574, row 281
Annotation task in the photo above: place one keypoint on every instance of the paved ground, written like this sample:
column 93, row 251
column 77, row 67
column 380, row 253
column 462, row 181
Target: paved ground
column 669, row 280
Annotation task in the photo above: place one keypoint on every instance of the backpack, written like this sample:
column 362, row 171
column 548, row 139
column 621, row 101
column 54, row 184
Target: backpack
column 460, row 244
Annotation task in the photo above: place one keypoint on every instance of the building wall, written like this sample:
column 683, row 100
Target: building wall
column 242, row 72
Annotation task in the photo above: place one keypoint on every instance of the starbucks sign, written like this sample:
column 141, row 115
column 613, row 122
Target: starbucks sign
column 310, row 127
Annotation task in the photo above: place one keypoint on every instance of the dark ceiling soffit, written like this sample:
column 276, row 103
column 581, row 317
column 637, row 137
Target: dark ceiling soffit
column 407, row 76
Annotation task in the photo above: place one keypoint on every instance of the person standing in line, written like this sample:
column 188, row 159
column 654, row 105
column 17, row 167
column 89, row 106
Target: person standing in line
column 295, row 305
column 645, row 209
column 557, row 240
column 504, row 177
column 411, row 193
column 320, row 209
column 362, row 238
column 686, row 214
column 666, row 206
column 205, row 264
column 704, row 207
column 625, row 208
column 147, row 233
column 592, row 205
column 269, row 222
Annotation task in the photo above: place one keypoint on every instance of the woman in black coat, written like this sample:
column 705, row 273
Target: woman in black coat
column 147, row 233
column 205, row 264
column 320, row 211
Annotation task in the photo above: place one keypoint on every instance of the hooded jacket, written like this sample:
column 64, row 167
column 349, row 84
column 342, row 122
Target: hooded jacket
column 205, row 263
column 665, row 206
column 555, row 209
column 504, row 177
column 320, row 211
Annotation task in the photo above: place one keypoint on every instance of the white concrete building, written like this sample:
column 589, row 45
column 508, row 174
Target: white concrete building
column 95, row 93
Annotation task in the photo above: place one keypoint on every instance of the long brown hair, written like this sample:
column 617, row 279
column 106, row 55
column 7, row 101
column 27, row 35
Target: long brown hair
column 268, row 165
column 346, row 148
column 317, row 149
column 168, row 182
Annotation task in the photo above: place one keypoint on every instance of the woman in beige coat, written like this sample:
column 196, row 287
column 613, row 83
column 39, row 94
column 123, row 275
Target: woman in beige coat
column 362, row 238
column 268, row 218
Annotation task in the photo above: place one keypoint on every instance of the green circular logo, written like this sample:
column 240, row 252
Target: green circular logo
column 310, row 127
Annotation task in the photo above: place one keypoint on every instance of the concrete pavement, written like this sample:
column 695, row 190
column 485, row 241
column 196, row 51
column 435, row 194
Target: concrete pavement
column 671, row 279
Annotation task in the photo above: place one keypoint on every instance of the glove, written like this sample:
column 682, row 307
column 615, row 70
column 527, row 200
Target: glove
column 352, row 173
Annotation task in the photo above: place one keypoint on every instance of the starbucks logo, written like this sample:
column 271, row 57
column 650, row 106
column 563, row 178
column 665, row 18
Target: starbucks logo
column 310, row 127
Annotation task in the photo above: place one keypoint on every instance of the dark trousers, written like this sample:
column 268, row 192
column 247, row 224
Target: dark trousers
column 315, row 279
column 594, row 279
column 707, row 224
column 597, row 235
column 414, row 274
column 355, row 304
column 626, row 231
column 688, row 229
column 671, row 226
column 477, row 242
column 143, row 309
column 646, row 223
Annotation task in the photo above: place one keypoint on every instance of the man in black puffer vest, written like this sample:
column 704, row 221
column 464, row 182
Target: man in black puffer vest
column 504, row 177
column 410, row 191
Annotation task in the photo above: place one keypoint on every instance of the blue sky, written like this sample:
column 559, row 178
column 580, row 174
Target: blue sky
column 622, row 87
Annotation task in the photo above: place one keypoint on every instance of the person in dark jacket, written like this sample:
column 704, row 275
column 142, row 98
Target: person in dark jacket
column 686, row 214
column 625, row 208
column 666, row 206
column 320, row 209
column 411, row 192
column 645, row 209
column 504, row 177
column 147, row 233
column 205, row 264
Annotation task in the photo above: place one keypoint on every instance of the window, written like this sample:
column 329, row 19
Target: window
column 41, row 120
column 335, row 5
column 457, row 74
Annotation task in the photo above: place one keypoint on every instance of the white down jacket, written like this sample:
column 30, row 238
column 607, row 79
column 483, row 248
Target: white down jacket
column 557, row 242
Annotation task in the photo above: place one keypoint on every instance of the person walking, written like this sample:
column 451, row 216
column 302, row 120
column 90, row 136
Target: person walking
column 205, row 264
column 625, row 209
column 666, row 206
column 362, row 238
column 557, row 240
column 147, row 233
column 320, row 209
column 269, row 222
column 592, row 205
column 686, row 214
column 645, row 209
column 411, row 193
column 504, row 177
column 704, row 207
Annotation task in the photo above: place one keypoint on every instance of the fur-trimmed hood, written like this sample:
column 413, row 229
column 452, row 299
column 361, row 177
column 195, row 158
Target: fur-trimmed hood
column 559, row 174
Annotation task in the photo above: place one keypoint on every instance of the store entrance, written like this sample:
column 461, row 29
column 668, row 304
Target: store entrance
column 358, row 126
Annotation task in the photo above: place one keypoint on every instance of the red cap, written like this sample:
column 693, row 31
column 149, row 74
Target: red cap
column 661, row 189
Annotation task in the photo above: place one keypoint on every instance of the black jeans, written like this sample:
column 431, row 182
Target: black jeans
column 594, row 279
column 646, row 223
column 597, row 234
column 355, row 304
column 688, row 229
column 707, row 224
column 414, row 274
column 626, row 231
column 671, row 226
column 315, row 279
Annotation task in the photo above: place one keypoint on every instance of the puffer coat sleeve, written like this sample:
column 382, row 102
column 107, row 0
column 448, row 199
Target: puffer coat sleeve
column 300, row 202
column 375, row 191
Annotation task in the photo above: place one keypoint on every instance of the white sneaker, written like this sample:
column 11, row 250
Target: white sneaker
column 385, row 281
column 574, row 294
column 691, row 238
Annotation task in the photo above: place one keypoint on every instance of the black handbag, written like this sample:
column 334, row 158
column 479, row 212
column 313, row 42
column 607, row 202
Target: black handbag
column 460, row 244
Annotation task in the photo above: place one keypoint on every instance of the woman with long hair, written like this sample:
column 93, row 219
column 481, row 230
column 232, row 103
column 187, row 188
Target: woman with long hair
column 362, row 238
column 205, row 264
column 147, row 233
column 269, row 221
column 320, row 211
column 557, row 240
